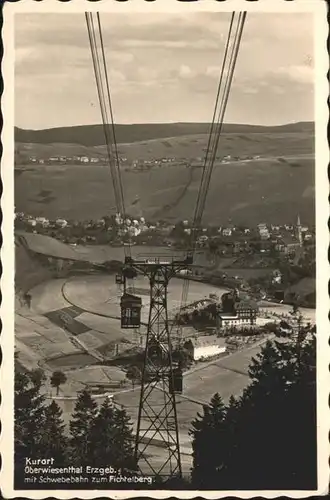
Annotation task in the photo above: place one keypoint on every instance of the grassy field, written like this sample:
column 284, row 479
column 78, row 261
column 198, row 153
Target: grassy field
column 187, row 146
column 238, row 191
column 80, row 192
column 99, row 294
column 226, row 376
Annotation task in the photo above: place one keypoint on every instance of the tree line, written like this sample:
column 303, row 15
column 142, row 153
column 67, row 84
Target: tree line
column 266, row 438
column 97, row 435
column 263, row 439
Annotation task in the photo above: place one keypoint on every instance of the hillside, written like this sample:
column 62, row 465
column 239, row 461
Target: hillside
column 274, row 187
column 29, row 271
column 92, row 135
column 245, row 193
column 189, row 147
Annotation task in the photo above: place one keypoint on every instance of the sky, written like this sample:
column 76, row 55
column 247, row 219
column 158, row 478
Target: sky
column 162, row 68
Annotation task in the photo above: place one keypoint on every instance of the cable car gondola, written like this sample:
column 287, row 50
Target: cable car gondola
column 129, row 273
column 130, row 306
column 176, row 382
column 120, row 279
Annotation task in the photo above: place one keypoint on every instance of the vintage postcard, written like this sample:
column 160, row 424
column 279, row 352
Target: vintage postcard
column 164, row 286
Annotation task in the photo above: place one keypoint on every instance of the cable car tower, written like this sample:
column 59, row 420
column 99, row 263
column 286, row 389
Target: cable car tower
column 161, row 377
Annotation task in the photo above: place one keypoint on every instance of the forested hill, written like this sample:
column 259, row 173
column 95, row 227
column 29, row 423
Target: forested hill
column 92, row 135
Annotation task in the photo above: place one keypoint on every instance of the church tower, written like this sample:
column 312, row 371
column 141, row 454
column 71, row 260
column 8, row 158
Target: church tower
column 298, row 231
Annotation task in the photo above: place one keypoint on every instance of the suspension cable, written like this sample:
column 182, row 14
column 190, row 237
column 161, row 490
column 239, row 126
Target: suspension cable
column 103, row 90
column 224, row 101
column 215, row 131
column 111, row 116
column 100, row 90
column 214, row 118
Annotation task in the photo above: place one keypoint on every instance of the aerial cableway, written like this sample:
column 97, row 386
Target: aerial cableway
column 94, row 29
column 161, row 375
column 231, row 52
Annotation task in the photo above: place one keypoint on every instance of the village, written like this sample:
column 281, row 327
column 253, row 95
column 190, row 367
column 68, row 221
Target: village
column 118, row 230
column 275, row 262
column 137, row 165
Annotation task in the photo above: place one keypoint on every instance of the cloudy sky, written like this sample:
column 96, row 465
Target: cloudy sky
column 162, row 68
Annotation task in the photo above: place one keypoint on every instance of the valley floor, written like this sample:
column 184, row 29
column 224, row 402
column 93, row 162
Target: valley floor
column 92, row 303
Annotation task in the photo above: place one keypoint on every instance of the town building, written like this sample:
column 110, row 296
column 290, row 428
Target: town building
column 236, row 312
column 275, row 228
column 288, row 244
column 277, row 277
column 43, row 221
column 227, row 231
column 308, row 236
column 61, row 222
column 244, row 316
column 205, row 346
column 263, row 231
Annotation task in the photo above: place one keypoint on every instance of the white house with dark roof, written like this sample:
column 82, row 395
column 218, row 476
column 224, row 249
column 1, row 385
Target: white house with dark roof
column 205, row 346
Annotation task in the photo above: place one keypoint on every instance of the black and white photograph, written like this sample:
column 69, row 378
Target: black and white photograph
column 165, row 306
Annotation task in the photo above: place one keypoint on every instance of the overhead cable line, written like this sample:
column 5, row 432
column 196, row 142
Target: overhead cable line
column 213, row 124
column 216, row 127
column 120, row 187
column 104, row 96
column 222, row 110
column 214, row 134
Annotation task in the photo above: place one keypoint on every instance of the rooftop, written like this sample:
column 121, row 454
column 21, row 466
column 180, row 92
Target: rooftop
column 246, row 304
column 206, row 340
column 226, row 315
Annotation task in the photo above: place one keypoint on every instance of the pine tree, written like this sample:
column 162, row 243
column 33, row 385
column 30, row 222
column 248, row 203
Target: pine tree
column 278, row 418
column 230, row 444
column 267, row 437
column 53, row 441
column 29, row 414
column 124, row 439
column 111, row 438
column 207, row 434
column 82, row 418
column 38, row 375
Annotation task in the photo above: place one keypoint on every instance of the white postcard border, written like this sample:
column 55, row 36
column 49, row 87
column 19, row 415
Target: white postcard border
column 322, row 235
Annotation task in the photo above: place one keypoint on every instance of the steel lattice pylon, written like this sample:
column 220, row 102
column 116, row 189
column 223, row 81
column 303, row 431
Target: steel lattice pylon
column 157, row 417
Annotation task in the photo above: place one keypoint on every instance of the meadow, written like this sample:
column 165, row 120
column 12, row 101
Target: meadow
column 278, row 184
column 243, row 192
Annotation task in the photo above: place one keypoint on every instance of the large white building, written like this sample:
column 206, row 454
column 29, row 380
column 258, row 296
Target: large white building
column 205, row 346
column 236, row 312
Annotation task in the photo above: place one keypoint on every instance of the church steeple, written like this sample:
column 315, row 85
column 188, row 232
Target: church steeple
column 298, row 231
